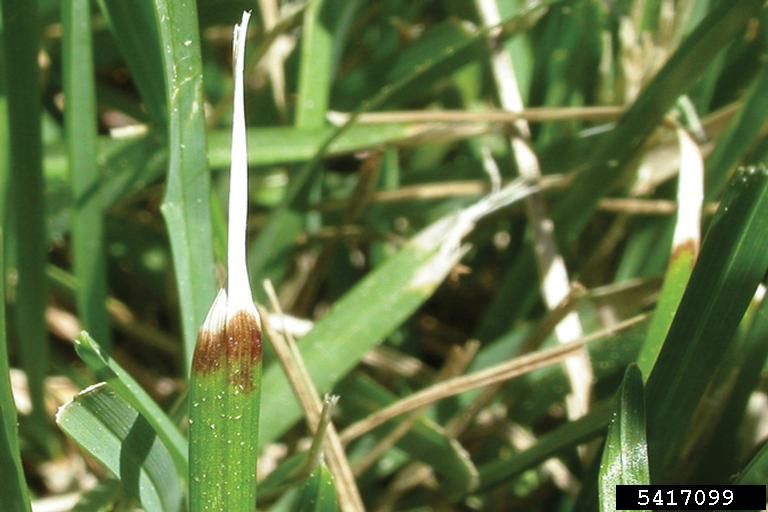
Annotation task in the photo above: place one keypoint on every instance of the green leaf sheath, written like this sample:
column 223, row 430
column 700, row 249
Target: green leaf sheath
column 224, row 411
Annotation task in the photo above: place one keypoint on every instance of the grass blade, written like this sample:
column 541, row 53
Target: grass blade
column 136, row 34
column 13, row 486
column 731, row 264
column 685, row 248
column 741, row 133
column 316, row 64
column 319, row 493
column 21, row 44
column 743, row 365
column 186, row 205
column 106, row 369
column 116, row 435
column 80, row 121
column 625, row 455
column 225, row 383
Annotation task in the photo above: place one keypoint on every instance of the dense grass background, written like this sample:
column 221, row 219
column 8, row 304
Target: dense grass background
column 479, row 339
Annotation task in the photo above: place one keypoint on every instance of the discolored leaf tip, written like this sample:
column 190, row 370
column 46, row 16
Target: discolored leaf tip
column 229, row 341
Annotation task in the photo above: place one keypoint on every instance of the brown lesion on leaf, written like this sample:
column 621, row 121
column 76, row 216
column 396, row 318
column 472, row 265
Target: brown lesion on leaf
column 243, row 349
column 235, row 349
column 689, row 247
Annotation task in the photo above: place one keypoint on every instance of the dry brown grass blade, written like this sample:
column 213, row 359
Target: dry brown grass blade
column 309, row 399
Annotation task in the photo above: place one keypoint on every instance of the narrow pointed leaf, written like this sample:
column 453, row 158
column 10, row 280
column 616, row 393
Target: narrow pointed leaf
column 319, row 492
column 733, row 260
column 13, row 485
column 87, row 218
column 108, row 370
column 186, row 205
column 685, row 248
column 625, row 454
column 26, row 199
column 116, row 435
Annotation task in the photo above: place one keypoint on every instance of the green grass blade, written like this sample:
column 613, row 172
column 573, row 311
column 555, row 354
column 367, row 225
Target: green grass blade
column 743, row 365
column 731, row 264
column 186, row 205
column 316, row 64
column 13, row 486
column 319, row 493
column 685, row 248
column 676, row 279
column 136, row 34
column 21, row 45
column 80, row 121
column 224, row 411
column 108, row 370
column 741, row 133
column 625, row 455
column 116, row 435
column 375, row 307
column 282, row 145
